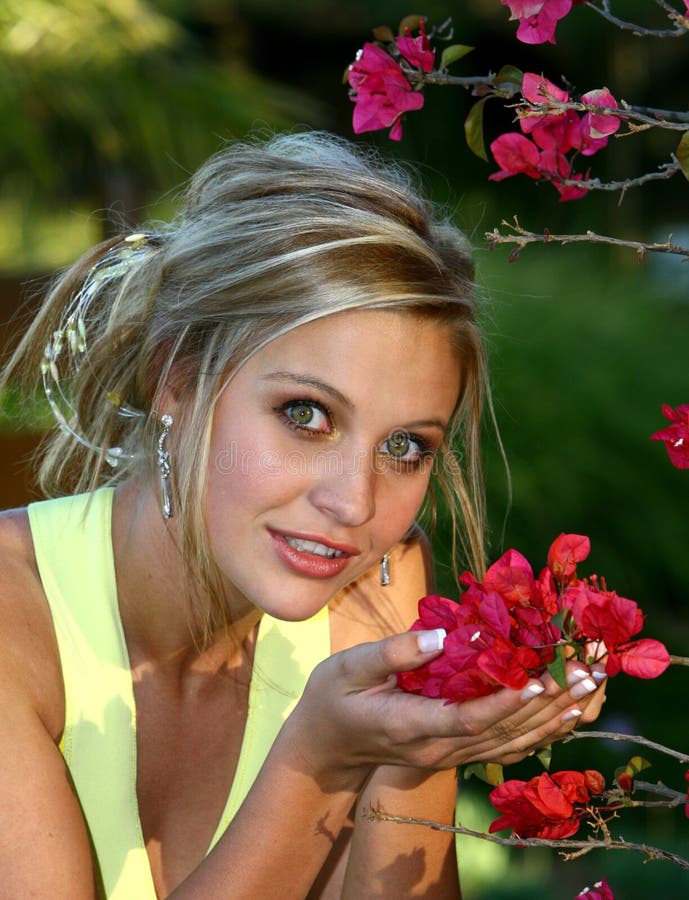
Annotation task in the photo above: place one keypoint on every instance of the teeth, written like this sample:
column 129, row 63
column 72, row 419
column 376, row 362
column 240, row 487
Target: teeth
column 313, row 547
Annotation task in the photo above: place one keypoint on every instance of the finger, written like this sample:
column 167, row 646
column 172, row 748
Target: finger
column 368, row 665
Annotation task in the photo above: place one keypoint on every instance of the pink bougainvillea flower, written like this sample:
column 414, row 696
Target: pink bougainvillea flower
column 552, row 129
column 676, row 436
column 566, row 552
column 546, row 806
column 417, row 50
column 596, row 128
column 537, row 20
column 516, row 155
column 381, row 92
column 602, row 615
column 600, row 891
column 504, row 630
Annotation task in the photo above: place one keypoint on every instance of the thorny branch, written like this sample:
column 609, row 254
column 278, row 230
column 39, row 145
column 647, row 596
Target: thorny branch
column 631, row 738
column 521, row 237
column 679, row 30
column 564, row 845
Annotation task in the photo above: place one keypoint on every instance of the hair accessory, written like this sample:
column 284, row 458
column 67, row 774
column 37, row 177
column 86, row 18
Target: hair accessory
column 68, row 347
column 385, row 570
column 166, row 421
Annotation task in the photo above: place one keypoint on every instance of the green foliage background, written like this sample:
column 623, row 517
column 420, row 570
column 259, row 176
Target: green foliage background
column 106, row 105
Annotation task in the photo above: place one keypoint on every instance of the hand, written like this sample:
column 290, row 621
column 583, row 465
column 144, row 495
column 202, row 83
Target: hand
column 353, row 716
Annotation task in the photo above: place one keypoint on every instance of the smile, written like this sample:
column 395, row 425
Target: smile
column 311, row 558
column 313, row 547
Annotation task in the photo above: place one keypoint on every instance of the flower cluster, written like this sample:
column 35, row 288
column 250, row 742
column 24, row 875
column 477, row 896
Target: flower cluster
column 676, row 436
column 553, row 134
column 380, row 90
column 546, row 806
column 538, row 18
column 513, row 625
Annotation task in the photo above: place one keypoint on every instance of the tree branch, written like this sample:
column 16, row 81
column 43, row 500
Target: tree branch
column 679, row 30
column 633, row 738
column 522, row 237
column 564, row 845
column 665, row 171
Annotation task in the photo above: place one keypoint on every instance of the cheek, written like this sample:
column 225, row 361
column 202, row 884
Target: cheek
column 399, row 504
column 248, row 468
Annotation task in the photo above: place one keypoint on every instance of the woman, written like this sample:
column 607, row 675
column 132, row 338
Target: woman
column 200, row 639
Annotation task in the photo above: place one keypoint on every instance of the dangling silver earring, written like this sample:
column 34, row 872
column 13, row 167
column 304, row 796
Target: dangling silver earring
column 166, row 421
column 385, row 570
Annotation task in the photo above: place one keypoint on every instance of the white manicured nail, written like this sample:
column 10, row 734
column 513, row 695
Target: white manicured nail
column 582, row 688
column 599, row 676
column 576, row 675
column 532, row 690
column 429, row 641
column 571, row 714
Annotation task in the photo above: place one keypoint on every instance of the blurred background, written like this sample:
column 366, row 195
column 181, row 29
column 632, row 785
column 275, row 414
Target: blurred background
column 107, row 105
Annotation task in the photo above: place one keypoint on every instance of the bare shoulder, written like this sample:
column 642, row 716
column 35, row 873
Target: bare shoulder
column 368, row 611
column 29, row 659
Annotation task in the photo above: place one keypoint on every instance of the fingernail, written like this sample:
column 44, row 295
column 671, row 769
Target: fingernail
column 582, row 688
column 598, row 675
column 532, row 690
column 576, row 675
column 429, row 641
column 571, row 714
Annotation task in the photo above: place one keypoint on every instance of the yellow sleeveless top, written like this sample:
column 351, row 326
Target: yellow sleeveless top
column 73, row 545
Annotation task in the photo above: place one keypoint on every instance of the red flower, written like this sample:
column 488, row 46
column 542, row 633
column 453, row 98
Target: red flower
column 601, row 615
column 417, row 50
column 516, row 155
column 676, row 436
column 600, row 891
column 596, row 128
column 565, row 553
column 502, row 632
column 537, row 18
column 381, row 93
column 553, row 134
column 547, row 806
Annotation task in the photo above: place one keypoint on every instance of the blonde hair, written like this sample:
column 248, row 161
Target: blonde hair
column 270, row 235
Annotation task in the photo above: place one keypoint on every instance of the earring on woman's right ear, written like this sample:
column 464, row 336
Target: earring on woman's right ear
column 385, row 570
column 163, row 460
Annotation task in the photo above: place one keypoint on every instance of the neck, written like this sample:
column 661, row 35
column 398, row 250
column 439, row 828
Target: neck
column 156, row 595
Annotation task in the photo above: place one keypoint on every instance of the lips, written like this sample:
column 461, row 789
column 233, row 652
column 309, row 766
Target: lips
column 311, row 555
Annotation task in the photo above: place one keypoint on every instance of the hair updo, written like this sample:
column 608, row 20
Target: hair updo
column 270, row 235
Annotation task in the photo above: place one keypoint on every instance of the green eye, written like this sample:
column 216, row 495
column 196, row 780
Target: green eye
column 301, row 413
column 398, row 444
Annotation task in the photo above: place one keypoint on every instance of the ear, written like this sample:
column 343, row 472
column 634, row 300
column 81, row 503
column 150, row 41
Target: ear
column 166, row 402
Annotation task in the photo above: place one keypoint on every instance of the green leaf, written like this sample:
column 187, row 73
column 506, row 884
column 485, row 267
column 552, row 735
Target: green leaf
column 545, row 755
column 383, row 33
column 491, row 773
column 473, row 129
column 636, row 764
column 559, row 619
column 557, row 668
column 682, row 153
column 453, row 53
column 410, row 22
column 509, row 80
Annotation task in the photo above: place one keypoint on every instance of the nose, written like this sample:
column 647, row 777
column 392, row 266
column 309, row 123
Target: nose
column 345, row 489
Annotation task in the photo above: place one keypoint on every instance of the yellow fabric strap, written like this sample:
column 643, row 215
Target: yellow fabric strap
column 72, row 540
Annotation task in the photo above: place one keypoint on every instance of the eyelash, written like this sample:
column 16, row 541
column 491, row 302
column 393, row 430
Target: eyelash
column 304, row 429
column 425, row 452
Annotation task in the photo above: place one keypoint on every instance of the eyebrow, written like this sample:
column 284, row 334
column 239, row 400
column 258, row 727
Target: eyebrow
column 331, row 391
column 308, row 381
